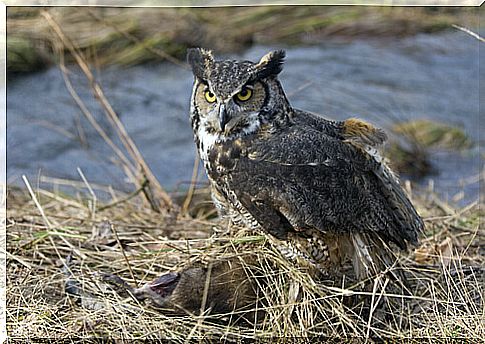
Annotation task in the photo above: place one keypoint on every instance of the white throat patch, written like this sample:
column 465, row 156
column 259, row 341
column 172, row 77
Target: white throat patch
column 206, row 142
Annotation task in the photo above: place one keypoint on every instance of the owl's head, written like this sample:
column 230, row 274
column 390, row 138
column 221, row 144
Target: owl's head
column 234, row 98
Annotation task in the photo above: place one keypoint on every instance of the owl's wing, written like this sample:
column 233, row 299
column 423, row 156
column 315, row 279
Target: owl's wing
column 305, row 178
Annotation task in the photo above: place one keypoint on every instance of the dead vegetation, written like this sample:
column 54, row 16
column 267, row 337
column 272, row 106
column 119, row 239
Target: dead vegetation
column 445, row 276
column 129, row 36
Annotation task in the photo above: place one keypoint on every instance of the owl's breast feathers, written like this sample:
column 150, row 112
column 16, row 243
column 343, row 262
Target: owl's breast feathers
column 314, row 175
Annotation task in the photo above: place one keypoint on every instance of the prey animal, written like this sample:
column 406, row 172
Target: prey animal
column 319, row 189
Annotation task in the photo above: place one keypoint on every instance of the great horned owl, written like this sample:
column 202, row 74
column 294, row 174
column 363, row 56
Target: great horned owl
column 318, row 188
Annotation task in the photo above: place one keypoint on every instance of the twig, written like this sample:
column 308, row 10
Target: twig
column 472, row 239
column 206, row 290
column 468, row 31
column 54, row 127
column 443, row 206
column 36, row 202
column 74, row 183
column 203, row 304
column 61, row 199
column 301, row 88
column 123, row 200
column 50, row 233
column 127, row 142
column 92, row 120
column 92, row 208
column 20, row 260
column 47, row 222
column 193, row 182
column 93, row 195
column 123, row 252
column 375, row 303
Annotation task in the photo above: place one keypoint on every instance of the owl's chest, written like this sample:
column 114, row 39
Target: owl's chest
column 221, row 160
column 220, row 157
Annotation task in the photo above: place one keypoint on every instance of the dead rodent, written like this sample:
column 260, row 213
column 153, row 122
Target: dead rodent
column 225, row 283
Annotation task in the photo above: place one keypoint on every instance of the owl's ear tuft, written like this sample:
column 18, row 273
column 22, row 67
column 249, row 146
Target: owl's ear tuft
column 201, row 61
column 271, row 64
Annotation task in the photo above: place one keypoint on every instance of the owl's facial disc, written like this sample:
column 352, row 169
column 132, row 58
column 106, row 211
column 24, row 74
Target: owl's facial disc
column 233, row 113
column 238, row 115
column 233, row 98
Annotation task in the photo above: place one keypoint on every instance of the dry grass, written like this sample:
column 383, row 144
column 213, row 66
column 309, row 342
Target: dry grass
column 445, row 274
column 128, row 36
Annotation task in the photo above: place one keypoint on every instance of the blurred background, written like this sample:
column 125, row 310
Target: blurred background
column 406, row 69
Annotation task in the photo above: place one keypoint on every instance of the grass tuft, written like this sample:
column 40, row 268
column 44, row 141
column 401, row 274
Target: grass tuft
column 445, row 276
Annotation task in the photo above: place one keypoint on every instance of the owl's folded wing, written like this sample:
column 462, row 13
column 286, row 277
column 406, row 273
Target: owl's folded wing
column 306, row 178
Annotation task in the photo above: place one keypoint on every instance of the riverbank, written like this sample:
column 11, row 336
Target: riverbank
column 421, row 90
column 131, row 36
column 126, row 237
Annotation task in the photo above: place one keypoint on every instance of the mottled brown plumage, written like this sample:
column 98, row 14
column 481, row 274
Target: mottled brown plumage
column 319, row 189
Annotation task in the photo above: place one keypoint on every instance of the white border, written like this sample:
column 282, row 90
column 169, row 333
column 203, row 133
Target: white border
column 138, row 3
column 224, row 3
column 3, row 171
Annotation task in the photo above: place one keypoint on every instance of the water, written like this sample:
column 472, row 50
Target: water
column 427, row 76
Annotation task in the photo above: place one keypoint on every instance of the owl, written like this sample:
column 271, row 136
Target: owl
column 318, row 189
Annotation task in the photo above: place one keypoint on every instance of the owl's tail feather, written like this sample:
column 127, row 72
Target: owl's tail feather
column 364, row 264
column 408, row 223
column 371, row 257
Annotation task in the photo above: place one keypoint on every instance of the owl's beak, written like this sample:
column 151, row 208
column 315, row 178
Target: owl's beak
column 223, row 117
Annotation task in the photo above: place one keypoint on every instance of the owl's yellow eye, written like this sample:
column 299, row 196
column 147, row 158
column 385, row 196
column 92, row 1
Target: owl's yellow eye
column 245, row 94
column 209, row 96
